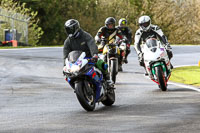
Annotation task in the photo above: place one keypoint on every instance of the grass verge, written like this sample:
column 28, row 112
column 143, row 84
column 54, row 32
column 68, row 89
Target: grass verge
column 189, row 75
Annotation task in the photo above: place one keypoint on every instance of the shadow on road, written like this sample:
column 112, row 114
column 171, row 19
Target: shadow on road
column 132, row 83
column 179, row 89
column 135, row 72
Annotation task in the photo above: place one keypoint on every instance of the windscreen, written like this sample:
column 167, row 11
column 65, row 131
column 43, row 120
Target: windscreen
column 152, row 44
column 73, row 56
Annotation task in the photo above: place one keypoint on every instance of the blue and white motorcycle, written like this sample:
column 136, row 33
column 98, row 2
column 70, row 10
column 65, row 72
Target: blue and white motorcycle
column 87, row 81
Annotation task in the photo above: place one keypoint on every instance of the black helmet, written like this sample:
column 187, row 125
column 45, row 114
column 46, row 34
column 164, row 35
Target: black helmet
column 110, row 20
column 72, row 26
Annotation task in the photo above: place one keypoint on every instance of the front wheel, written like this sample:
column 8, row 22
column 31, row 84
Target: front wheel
column 161, row 78
column 85, row 95
column 110, row 98
column 113, row 70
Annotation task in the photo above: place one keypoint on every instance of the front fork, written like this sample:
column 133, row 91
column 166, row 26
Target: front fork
column 109, row 62
column 164, row 68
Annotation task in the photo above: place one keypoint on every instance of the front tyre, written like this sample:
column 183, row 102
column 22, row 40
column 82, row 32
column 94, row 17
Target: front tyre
column 161, row 78
column 113, row 71
column 87, row 100
column 110, row 98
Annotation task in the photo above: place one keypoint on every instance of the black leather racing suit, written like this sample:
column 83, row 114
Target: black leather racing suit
column 106, row 33
column 127, row 32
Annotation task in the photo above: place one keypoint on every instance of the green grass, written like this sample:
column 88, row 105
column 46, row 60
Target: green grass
column 7, row 47
column 189, row 75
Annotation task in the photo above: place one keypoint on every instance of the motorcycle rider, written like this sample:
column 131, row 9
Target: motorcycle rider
column 127, row 32
column 148, row 30
column 80, row 40
column 106, row 31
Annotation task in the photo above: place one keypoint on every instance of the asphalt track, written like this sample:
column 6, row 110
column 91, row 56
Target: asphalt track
column 34, row 98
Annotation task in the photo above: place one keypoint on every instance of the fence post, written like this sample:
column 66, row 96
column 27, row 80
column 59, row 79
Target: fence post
column 27, row 20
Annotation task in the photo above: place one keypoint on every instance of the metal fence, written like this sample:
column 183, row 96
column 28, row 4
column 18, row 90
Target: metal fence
column 13, row 26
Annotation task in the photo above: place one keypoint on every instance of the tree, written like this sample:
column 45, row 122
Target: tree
column 54, row 13
column 171, row 15
column 179, row 20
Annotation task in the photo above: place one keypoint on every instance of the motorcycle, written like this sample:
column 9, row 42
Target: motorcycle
column 156, row 62
column 87, row 81
column 122, row 48
column 110, row 54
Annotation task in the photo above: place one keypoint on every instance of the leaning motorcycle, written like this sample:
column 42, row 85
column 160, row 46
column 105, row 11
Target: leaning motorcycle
column 87, row 81
column 156, row 62
column 110, row 54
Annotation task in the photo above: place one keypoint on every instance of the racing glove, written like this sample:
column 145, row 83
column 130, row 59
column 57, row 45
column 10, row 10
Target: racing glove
column 140, row 57
column 168, row 47
column 97, row 39
column 125, row 40
column 64, row 70
column 94, row 59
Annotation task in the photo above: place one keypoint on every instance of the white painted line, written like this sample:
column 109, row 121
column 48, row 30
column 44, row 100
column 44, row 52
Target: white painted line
column 181, row 85
column 184, row 86
column 185, row 65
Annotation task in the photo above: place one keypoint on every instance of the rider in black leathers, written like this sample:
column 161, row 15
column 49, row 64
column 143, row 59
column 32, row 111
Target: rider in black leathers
column 80, row 40
column 108, row 30
column 126, row 31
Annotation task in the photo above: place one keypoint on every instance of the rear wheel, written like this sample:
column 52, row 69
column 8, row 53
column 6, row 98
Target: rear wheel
column 113, row 70
column 161, row 78
column 85, row 98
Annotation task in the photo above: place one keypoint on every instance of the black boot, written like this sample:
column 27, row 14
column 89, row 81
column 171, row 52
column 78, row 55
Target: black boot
column 120, row 68
column 109, row 81
column 125, row 60
column 146, row 73
column 171, row 66
column 127, row 53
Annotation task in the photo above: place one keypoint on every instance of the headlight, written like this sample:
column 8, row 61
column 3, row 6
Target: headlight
column 75, row 68
column 122, row 47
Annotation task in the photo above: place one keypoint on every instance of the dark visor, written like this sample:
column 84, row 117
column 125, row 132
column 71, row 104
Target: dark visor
column 69, row 30
column 146, row 24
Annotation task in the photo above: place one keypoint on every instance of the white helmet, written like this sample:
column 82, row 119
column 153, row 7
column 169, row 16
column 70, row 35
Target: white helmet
column 145, row 23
